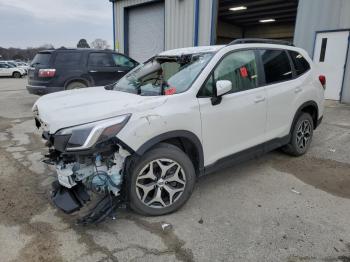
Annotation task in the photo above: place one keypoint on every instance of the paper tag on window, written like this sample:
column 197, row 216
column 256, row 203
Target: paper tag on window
column 243, row 71
column 170, row 91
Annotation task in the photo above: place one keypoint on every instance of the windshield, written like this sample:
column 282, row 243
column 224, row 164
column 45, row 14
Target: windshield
column 163, row 75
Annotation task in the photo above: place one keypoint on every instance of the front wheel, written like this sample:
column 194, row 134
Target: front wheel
column 161, row 181
column 16, row 75
column 301, row 136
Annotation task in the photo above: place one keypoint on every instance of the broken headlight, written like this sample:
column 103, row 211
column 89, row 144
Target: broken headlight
column 84, row 136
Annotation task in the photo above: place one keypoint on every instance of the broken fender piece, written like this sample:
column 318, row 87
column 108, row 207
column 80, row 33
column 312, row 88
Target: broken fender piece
column 69, row 200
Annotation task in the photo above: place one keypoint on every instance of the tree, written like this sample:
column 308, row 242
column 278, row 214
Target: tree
column 99, row 43
column 83, row 43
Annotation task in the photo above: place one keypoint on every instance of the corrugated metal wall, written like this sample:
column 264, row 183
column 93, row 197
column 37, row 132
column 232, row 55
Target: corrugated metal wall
column 179, row 22
column 320, row 15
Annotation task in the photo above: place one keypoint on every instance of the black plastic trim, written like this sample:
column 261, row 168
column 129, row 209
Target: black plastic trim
column 246, row 154
column 259, row 41
column 176, row 134
column 300, row 109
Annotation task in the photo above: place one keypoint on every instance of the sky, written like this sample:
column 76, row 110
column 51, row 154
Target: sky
column 33, row 23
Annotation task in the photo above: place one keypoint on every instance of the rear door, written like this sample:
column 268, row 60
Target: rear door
column 282, row 91
column 101, row 68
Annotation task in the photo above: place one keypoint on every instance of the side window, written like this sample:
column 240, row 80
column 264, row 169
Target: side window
column 276, row 65
column 100, row 60
column 67, row 59
column 300, row 63
column 122, row 61
column 239, row 68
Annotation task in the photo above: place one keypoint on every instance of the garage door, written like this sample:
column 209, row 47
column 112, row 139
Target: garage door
column 145, row 31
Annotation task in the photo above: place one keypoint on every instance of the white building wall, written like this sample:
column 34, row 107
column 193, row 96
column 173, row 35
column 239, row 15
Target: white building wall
column 321, row 15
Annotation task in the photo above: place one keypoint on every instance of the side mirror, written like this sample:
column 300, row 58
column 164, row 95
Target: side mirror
column 222, row 88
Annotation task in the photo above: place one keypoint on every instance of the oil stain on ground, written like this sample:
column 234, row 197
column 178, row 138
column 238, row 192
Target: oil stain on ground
column 325, row 174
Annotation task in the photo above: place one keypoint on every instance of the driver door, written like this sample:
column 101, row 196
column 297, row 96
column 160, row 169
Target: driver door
column 238, row 122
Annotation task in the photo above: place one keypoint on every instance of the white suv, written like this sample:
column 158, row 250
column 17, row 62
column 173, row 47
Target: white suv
column 10, row 70
column 182, row 114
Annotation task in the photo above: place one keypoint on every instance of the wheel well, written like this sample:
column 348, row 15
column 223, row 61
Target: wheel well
column 76, row 80
column 188, row 147
column 312, row 110
column 16, row 72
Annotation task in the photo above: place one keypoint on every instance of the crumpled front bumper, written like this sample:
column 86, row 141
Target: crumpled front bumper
column 69, row 200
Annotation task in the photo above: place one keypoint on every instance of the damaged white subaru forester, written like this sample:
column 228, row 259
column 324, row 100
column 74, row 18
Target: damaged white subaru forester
column 183, row 113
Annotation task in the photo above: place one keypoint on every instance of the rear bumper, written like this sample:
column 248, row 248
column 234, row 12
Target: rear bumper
column 43, row 90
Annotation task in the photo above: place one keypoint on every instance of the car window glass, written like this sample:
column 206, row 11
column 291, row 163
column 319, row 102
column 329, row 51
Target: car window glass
column 41, row 59
column 68, row 59
column 276, row 65
column 122, row 61
column 100, row 60
column 300, row 63
column 2, row 66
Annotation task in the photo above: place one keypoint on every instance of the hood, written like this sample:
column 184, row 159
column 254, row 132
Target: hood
column 75, row 107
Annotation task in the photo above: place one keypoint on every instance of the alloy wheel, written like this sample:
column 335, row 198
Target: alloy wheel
column 160, row 183
column 303, row 135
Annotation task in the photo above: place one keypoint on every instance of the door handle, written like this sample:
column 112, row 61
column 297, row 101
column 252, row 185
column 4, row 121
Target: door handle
column 93, row 71
column 259, row 99
column 297, row 90
column 120, row 71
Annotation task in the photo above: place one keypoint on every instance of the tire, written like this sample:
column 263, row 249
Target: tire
column 16, row 75
column 301, row 136
column 75, row 85
column 173, row 186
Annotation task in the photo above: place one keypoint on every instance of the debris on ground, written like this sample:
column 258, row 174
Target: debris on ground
column 200, row 221
column 295, row 191
column 332, row 150
column 166, row 226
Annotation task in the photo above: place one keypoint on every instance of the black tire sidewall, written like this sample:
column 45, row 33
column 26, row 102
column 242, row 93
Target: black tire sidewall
column 161, row 151
column 302, row 118
column 17, row 75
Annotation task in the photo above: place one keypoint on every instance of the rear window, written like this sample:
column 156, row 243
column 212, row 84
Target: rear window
column 300, row 63
column 276, row 65
column 67, row 59
column 41, row 59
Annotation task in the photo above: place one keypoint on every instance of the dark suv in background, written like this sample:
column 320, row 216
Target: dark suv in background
column 65, row 69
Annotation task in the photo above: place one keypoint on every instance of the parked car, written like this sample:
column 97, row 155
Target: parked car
column 66, row 69
column 7, row 69
column 23, row 65
column 182, row 114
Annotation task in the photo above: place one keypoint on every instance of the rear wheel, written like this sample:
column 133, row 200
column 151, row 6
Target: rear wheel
column 75, row 85
column 16, row 75
column 302, row 133
column 161, row 181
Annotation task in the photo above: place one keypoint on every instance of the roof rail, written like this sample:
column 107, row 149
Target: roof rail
column 259, row 40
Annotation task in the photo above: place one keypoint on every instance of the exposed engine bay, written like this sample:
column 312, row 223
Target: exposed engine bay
column 79, row 175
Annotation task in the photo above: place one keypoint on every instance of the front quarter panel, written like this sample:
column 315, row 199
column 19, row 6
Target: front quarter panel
column 177, row 112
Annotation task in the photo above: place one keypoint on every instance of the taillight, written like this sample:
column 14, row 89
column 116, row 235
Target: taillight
column 322, row 79
column 47, row 72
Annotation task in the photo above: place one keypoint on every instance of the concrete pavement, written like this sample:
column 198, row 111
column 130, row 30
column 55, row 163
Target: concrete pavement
column 275, row 208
